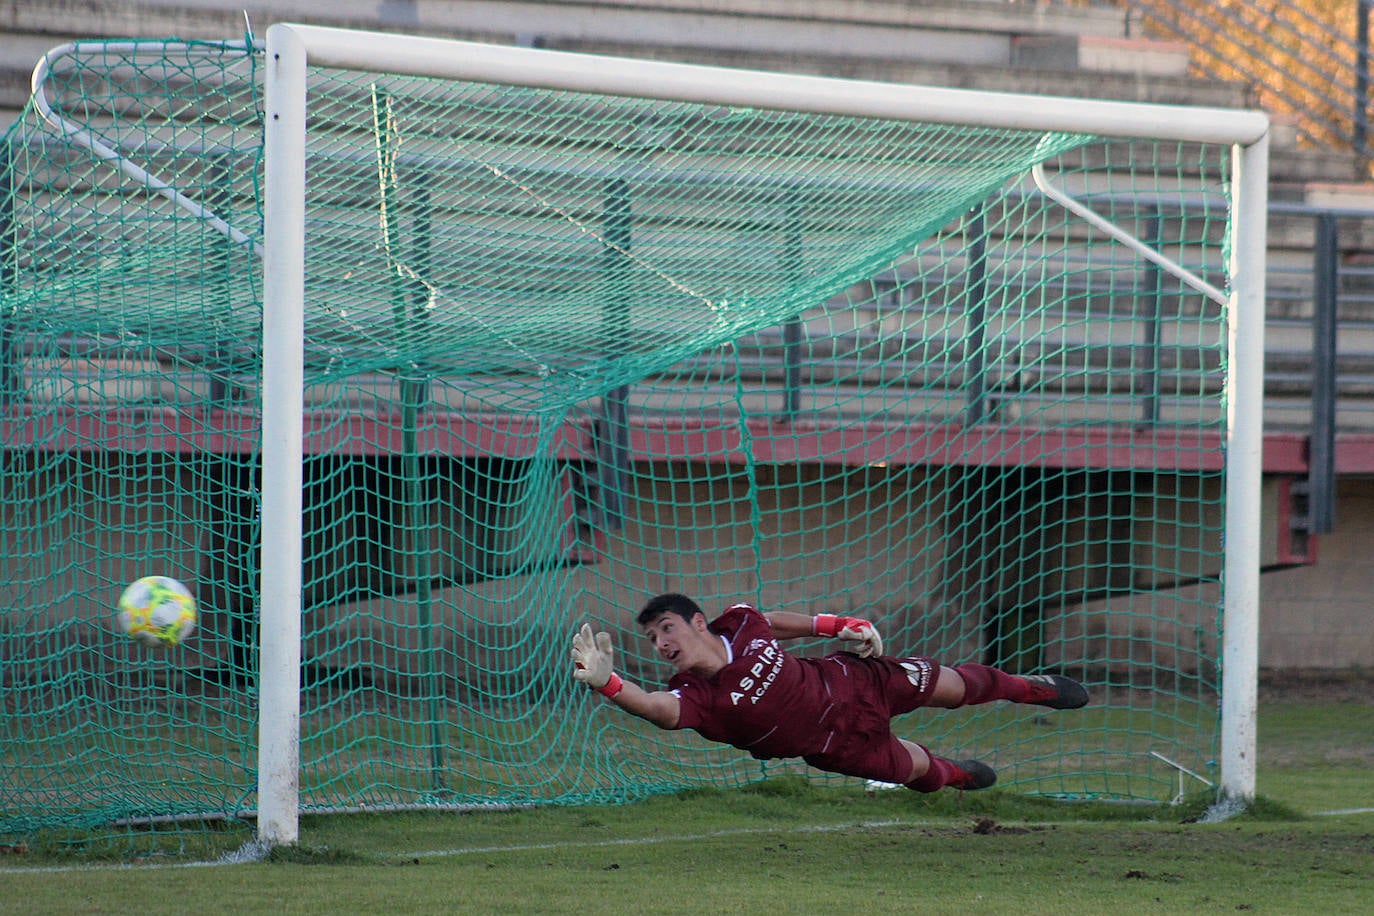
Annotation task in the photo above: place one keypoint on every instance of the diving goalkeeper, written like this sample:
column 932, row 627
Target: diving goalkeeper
column 735, row 684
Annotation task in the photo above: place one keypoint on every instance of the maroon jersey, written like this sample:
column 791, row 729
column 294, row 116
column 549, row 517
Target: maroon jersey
column 834, row 711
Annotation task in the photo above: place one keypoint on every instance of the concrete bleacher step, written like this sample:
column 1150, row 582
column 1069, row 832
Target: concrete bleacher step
column 1040, row 49
column 1045, row 49
column 1355, row 195
column 1103, row 54
column 864, row 38
column 1112, row 85
column 975, row 31
column 1032, row 398
column 979, row 45
column 14, row 95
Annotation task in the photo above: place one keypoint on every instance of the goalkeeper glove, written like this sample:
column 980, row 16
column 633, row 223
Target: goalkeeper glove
column 593, row 657
column 849, row 628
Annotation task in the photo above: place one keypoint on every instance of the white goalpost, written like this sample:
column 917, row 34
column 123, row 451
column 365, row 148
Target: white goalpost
column 292, row 49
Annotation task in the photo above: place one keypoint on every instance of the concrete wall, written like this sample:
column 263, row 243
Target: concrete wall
column 1140, row 563
column 912, row 565
column 939, row 556
column 1020, row 567
column 1322, row 616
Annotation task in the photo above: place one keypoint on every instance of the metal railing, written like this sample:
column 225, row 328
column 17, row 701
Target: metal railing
column 1336, row 375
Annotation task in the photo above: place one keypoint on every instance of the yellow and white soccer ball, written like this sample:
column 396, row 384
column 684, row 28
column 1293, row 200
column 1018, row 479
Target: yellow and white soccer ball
column 157, row 611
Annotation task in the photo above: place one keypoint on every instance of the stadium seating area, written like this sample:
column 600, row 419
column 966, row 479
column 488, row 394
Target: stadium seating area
column 986, row 44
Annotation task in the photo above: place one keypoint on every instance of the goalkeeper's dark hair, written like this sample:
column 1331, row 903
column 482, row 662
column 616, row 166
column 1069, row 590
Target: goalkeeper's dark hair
column 669, row 603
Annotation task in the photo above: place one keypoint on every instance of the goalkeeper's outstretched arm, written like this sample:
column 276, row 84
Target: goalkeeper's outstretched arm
column 787, row 625
column 659, row 706
column 594, row 665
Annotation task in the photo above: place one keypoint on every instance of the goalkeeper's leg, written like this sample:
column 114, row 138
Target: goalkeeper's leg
column 938, row 772
column 971, row 684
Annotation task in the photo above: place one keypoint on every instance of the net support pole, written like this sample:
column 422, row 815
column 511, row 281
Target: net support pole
column 283, row 402
column 1244, row 466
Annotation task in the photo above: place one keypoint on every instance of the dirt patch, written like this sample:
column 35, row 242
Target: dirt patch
column 987, row 826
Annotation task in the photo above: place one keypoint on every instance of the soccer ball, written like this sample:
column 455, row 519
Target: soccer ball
column 157, row 611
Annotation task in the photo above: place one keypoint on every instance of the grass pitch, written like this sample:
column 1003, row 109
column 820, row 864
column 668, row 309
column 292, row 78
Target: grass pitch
column 787, row 846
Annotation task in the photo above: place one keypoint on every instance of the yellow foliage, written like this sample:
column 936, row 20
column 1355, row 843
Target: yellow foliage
column 1299, row 57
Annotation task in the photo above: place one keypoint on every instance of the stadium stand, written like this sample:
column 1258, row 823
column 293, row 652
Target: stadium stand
column 1323, row 208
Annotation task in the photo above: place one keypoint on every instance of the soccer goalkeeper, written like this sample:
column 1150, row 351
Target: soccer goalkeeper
column 735, row 684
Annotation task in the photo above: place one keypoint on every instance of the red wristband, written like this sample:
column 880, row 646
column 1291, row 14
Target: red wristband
column 825, row 624
column 611, row 687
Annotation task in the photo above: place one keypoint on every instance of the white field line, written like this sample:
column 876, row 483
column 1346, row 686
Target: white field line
column 239, row 858
column 1340, row 811
column 236, row 859
column 685, row 838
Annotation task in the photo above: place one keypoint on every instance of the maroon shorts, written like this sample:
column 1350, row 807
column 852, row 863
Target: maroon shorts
column 868, row 692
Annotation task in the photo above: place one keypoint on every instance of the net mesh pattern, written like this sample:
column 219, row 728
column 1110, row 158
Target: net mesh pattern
column 565, row 351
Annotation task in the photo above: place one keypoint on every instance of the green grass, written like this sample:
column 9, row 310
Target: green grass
column 1318, row 756
column 783, row 846
column 788, row 846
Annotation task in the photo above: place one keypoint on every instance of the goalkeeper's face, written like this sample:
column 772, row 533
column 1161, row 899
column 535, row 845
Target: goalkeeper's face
column 687, row 645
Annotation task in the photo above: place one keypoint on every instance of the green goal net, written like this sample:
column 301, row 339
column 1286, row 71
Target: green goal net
column 565, row 350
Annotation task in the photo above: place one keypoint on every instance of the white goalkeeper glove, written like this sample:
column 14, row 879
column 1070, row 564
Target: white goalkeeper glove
column 593, row 659
column 850, row 628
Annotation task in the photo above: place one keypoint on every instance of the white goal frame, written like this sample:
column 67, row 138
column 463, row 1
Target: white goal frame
column 290, row 47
